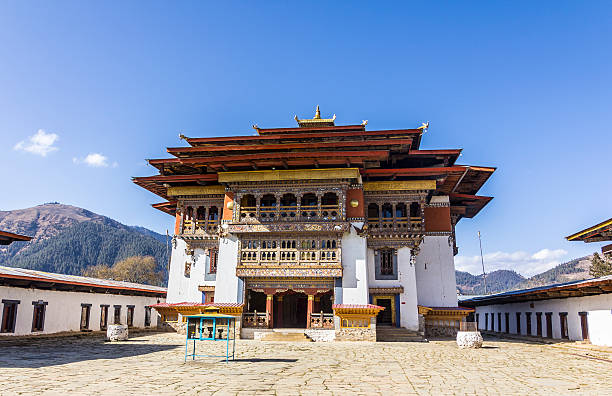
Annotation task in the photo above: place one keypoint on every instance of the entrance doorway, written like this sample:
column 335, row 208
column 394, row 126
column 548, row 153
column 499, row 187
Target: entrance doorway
column 290, row 310
column 386, row 316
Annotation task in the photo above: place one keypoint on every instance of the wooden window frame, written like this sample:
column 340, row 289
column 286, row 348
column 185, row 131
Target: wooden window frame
column 87, row 317
column 129, row 315
column 391, row 258
column 104, row 316
column 563, row 325
column 42, row 306
column 116, row 314
column 213, row 259
column 13, row 320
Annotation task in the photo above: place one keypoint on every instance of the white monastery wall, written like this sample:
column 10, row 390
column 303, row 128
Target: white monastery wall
column 435, row 273
column 180, row 287
column 406, row 277
column 231, row 286
column 599, row 317
column 354, row 269
column 63, row 309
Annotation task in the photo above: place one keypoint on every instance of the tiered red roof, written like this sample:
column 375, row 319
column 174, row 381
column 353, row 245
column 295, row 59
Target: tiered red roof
column 379, row 155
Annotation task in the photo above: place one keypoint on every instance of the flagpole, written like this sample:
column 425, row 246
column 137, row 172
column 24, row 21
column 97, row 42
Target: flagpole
column 484, row 274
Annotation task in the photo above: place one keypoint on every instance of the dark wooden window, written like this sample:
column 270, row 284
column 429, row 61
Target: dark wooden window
column 507, row 315
column 549, row 331
column 563, row 324
column 385, row 263
column 486, row 321
column 103, row 317
column 528, row 321
column 539, row 324
column 117, row 315
column 147, row 321
column 85, row 312
column 214, row 256
column 130, row 315
column 38, row 317
column 518, row 323
column 9, row 316
column 499, row 320
column 584, row 325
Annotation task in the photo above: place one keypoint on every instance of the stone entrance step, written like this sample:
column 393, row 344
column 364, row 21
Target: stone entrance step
column 289, row 335
column 397, row 334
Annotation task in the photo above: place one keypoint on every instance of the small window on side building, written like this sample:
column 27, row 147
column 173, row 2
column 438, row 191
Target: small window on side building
column 147, row 318
column 85, row 313
column 103, row 317
column 117, row 315
column 9, row 316
column 130, row 315
column 38, row 317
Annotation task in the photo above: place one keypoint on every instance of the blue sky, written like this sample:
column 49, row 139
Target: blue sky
column 523, row 86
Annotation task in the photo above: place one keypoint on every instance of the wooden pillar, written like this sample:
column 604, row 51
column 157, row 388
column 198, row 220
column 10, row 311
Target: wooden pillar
column 310, row 309
column 269, row 310
column 279, row 308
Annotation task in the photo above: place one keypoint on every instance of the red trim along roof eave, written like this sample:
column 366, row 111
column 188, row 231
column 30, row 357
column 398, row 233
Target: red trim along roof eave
column 166, row 207
column 288, row 146
column 213, row 140
column 64, row 282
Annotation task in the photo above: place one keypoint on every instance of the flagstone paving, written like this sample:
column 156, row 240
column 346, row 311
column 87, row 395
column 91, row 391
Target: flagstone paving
column 153, row 364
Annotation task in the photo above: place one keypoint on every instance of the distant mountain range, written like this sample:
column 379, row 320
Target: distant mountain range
column 504, row 280
column 67, row 239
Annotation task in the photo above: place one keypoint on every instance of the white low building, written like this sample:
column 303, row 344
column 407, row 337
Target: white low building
column 36, row 302
column 577, row 311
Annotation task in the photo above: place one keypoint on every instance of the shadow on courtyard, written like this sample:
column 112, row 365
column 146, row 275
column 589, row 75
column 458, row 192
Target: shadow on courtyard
column 266, row 360
column 36, row 353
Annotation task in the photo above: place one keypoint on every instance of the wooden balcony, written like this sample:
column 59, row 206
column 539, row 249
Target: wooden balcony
column 290, row 213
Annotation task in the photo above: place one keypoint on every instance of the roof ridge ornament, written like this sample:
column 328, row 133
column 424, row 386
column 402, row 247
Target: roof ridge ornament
column 424, row 126
column 317, row 121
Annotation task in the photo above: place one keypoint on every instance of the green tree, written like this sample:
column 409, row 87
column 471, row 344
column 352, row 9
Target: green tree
column 137, row 269
column 600, row 266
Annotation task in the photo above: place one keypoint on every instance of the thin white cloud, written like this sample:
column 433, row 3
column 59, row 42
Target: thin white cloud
column 524, row 263
column 95, row 160
column 41, row 143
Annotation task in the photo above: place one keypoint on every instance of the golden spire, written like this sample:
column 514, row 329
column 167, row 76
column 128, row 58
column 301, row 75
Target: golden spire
column 317, row 121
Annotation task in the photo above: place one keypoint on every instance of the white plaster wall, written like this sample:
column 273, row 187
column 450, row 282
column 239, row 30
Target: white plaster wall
column 409, row 315
column 435, row 273
column 354, row 269
column 231, row 286
column 600, row 327
column 63, row 311
column 599, row 316
column 180, row 287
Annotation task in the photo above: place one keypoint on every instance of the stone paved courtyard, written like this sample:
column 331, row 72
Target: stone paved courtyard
column 152, row 364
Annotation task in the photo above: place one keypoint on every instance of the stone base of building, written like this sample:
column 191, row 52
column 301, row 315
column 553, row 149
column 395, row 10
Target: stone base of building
column 433, row 331
column 319, row 335
column 356, row 334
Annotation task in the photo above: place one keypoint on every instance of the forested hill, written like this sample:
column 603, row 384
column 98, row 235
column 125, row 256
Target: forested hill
column 67, row 239
column 504, row 280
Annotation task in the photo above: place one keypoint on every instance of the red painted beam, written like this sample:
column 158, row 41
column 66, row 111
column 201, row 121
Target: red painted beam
column 262, row 147
column 374, row 154
column 391, row 132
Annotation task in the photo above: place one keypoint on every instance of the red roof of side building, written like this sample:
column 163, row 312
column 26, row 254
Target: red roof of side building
column 41, row 279
column 358, row 306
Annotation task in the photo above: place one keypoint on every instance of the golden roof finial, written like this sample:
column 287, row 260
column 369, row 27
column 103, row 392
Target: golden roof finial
column 317, row 114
